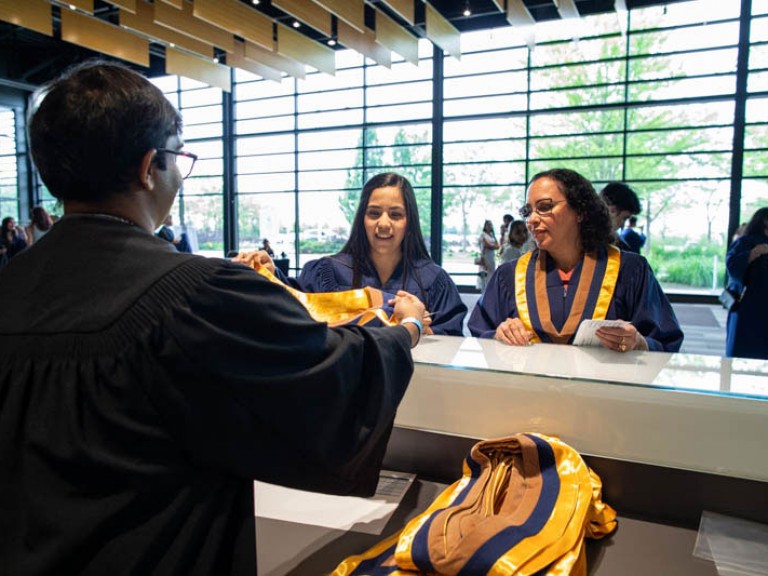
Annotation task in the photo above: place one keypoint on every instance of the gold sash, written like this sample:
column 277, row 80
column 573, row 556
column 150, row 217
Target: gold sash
column 358, row 306
column 577, row 312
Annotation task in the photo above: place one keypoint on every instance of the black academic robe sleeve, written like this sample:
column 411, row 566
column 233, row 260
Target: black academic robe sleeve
column 268, row 393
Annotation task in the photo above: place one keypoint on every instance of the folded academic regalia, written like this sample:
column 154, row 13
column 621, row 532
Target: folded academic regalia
column 524, row 505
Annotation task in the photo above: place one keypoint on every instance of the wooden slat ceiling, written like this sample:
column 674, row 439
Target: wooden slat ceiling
column 241, row 33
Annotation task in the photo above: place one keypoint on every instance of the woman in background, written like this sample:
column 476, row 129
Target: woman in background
column 516, row 244
column 40, row 223
column 386, row 250
column 576, row 273
column 12, row 239
column 747, row 266
column 488, row 245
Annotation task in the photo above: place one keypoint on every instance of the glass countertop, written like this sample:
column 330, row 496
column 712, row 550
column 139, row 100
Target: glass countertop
column 735, row 377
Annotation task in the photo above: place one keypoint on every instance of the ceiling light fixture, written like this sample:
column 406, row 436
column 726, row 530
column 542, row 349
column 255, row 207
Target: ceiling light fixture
column 296, row 24
column 331, row 42
column 255, row 2
column 467, row 9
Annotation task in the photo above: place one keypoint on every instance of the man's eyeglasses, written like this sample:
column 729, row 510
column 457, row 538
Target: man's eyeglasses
column 185, row 161
column 543, row 207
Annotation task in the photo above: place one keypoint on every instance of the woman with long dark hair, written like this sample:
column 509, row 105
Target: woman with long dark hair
column 575, row 274
column 386, row 250
column 11, row 240
column 747, row 265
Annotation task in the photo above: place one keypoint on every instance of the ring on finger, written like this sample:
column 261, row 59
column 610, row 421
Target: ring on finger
column 622, row 347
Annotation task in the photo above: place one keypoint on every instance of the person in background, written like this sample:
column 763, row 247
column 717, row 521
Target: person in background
column 386, row 250
column 504, row 232
column 39, row 225
column 632, row 237
column 622, row 203
column 267, row 248
column 12, row 238
column 487, row 245
column 518, row 237
column 142, row 390
column 747, row 265
column 576, row 273
column 166, row 233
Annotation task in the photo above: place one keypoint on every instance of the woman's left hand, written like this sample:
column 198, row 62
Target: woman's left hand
column 621, row 338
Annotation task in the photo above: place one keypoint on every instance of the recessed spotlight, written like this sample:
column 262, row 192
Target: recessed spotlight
column 331, row 42
column 255, row 2
column 215, row 59
column 296, row 24
column 72, row 7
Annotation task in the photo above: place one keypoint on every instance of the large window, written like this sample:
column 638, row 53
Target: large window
column 305, row 148
column 754, row 190
column 654, row 97
column 199, row 209
column 649, row 97
column 653, row 106
column 9, row 193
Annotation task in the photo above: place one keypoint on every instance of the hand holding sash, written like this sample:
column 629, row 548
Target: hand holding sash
column 255, row 260
column 408, row 306
column 358, row 306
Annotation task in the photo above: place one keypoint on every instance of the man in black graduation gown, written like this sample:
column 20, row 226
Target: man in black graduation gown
column 142, row 389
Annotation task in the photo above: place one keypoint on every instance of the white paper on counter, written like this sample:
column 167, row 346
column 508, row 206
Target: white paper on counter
column 585, row 335
column 368, row 515
column 738, row 547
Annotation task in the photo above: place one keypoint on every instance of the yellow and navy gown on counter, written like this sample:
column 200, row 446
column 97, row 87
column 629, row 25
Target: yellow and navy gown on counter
column 425, row 280
column 636, row 297
column 524, row 505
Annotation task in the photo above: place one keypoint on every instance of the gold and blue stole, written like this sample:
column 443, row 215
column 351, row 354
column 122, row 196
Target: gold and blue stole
column 524, row 505
column 592, row 294
column 358, row 306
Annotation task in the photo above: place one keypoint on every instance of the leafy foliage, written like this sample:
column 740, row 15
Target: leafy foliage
column 689, row 265
column 321, row 246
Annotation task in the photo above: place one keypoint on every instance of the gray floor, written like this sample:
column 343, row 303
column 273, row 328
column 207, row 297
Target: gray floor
column 703, row 326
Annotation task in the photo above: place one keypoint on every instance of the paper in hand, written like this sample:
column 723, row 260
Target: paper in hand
column 585, row 335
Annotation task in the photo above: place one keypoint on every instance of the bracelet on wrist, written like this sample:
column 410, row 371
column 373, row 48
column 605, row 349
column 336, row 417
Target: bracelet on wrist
column 415, row 321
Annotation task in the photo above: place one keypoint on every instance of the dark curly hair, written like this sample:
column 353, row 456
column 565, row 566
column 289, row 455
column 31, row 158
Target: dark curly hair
column 595, row 222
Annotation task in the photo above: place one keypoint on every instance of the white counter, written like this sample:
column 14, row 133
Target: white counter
column 701, row 413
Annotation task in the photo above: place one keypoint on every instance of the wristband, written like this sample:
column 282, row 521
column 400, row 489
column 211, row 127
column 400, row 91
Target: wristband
column 417, row 322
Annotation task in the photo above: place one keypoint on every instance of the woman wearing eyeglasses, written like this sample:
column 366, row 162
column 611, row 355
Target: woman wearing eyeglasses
column 575, row 274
